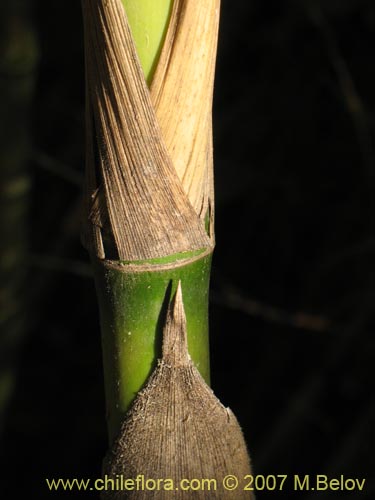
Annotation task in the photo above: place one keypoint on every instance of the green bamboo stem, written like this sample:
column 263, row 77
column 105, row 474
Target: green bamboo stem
column 148, row 21
column 132, row 305
column 133, row 295
column 150, row 236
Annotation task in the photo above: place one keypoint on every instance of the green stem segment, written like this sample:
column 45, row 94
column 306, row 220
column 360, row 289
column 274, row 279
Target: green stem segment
column 148, row 20
column 133, row 301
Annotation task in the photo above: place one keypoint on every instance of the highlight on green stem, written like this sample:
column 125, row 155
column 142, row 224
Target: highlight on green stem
column 148, row 21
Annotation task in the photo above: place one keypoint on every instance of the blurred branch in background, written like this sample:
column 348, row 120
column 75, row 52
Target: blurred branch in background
column 352, row 98
column 53, row 166
column 230, row 296
column 227, row 296
column 18, row 63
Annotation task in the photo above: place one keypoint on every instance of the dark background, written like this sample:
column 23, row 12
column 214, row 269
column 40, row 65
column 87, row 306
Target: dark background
column 292, row 301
